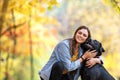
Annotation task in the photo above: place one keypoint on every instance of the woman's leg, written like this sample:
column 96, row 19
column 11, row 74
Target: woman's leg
column 41, row 78
column 65, row 77
column 56, row 72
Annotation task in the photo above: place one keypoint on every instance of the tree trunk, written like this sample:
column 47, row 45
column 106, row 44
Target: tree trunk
column 31, row 54
column 7, row 64
column 2, row 17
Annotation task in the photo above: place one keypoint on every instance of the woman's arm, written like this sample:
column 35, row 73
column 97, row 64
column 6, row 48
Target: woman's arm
column 63, row 51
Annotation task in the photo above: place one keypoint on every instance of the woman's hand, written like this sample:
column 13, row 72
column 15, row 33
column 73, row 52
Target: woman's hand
column 92, row 61
column 89, row 54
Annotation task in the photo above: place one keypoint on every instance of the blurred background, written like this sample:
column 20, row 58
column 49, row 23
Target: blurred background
column 30, row 29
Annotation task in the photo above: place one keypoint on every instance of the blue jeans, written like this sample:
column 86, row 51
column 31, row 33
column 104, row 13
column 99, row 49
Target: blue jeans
column 56, row 72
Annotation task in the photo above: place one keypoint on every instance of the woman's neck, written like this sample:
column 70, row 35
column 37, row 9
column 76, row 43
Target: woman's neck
column 77, row 45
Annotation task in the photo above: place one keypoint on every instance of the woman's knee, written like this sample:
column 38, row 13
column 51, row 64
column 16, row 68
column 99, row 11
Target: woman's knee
column 58, row 65
column 56, row 71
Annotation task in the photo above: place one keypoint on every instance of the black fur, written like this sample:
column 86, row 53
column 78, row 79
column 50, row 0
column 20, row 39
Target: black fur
column 93, row 45
column 97, row 72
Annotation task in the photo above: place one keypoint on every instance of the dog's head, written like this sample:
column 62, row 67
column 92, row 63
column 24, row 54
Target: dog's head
column 93, row 45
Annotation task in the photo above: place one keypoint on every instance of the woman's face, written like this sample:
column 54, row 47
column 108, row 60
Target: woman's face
column 81, row 36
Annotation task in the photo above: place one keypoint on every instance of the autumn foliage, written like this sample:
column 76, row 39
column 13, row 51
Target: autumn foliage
column 30, row 29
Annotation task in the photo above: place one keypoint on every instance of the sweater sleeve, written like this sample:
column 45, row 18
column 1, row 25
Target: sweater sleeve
column 101, row 59
column 64, row 56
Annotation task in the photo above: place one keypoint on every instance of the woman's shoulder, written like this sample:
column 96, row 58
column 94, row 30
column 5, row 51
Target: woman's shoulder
column 64, row 42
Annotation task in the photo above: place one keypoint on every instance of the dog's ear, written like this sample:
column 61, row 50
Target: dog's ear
column 101, row 48
column 88, row 40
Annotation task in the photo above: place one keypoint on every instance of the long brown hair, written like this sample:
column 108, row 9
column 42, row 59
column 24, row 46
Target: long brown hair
column 73, row 42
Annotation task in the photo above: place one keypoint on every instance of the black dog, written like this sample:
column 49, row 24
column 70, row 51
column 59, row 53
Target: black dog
column 97, row 72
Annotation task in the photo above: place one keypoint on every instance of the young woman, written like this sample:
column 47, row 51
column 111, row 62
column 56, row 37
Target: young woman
column 66, row 59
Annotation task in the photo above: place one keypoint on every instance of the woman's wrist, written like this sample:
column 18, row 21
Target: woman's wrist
column 82, row 57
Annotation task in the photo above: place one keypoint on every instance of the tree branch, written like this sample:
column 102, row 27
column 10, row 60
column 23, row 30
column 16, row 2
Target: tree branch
column 8, row 29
